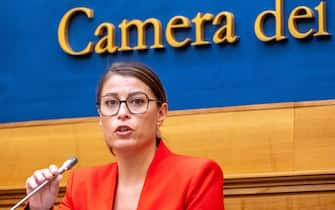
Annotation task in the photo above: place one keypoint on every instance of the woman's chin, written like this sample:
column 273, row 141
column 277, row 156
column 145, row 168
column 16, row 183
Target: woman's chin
column 123, row 144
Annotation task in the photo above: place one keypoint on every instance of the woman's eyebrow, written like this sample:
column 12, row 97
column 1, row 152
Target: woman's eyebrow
column 110, row 94
column 115, row 94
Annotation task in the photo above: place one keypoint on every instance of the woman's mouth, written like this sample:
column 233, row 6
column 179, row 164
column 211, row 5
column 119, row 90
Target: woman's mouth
column 123, row 130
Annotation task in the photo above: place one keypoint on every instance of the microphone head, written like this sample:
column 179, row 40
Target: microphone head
column 68, row 164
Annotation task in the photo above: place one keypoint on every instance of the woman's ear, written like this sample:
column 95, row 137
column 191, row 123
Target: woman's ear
column 99, row 118
column 162, row 114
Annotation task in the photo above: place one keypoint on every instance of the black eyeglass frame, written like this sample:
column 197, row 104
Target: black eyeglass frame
column 98, row 104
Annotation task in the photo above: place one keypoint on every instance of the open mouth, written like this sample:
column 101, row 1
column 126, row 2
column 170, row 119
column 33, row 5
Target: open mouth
column 123, row 130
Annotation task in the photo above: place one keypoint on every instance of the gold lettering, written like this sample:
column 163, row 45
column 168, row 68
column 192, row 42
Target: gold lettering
column 177, row 22
column 322, row 29
column 278, row 15
column 199, row 21
column 141, row 38
column 227, row 32
column 300, row 13
column 63, row 29
column 106, row 43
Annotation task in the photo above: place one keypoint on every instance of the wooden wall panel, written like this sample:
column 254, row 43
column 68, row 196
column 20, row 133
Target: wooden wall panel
column 25, row 149
column 277, row 139
column 266, row 144
column 314, row 138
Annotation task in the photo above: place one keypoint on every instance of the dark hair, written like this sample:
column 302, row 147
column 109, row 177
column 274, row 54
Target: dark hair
column 139, row 71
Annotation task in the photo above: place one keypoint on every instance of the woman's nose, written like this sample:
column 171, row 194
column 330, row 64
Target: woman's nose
column 123, row 110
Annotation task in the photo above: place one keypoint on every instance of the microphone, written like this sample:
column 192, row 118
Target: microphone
column 67, row 165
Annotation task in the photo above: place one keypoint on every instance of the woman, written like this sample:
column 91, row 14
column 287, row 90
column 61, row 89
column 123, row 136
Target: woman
column 132, row 105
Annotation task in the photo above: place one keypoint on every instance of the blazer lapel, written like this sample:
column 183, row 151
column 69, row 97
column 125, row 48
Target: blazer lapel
column 106, row 189
column 150, row 190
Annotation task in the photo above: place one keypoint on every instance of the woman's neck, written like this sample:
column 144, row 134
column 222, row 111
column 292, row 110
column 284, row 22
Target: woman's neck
column 133, row 166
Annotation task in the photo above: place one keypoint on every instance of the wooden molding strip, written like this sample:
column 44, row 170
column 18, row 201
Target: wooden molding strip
column 178, row 113
column 253, row 184
column 9, row 198
column 324, row 181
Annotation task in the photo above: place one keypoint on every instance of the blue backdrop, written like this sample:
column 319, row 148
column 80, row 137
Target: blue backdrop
column 39, row 81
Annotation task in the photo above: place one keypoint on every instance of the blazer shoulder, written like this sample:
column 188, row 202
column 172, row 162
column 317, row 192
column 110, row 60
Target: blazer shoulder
column 205, row 186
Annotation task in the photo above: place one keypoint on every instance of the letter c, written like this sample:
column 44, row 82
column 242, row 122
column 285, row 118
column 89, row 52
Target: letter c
column 63, row 29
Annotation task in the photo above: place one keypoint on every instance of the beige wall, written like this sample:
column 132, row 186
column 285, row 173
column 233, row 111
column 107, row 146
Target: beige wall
column 276, row 140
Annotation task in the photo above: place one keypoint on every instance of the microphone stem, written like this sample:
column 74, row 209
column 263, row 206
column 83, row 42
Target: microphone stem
column 68, row 164
column 33, row 192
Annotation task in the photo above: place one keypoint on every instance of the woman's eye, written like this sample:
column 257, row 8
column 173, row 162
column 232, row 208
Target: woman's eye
column 111, row 102
column 137, row 101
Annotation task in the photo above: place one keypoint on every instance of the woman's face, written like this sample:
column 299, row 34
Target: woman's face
column 125, row 131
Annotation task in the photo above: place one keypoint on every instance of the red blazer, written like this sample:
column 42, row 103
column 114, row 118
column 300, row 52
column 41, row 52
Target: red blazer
column 173, row 182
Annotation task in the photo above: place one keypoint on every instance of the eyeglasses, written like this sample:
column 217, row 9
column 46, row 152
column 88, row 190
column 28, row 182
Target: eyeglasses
column 137, row 103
